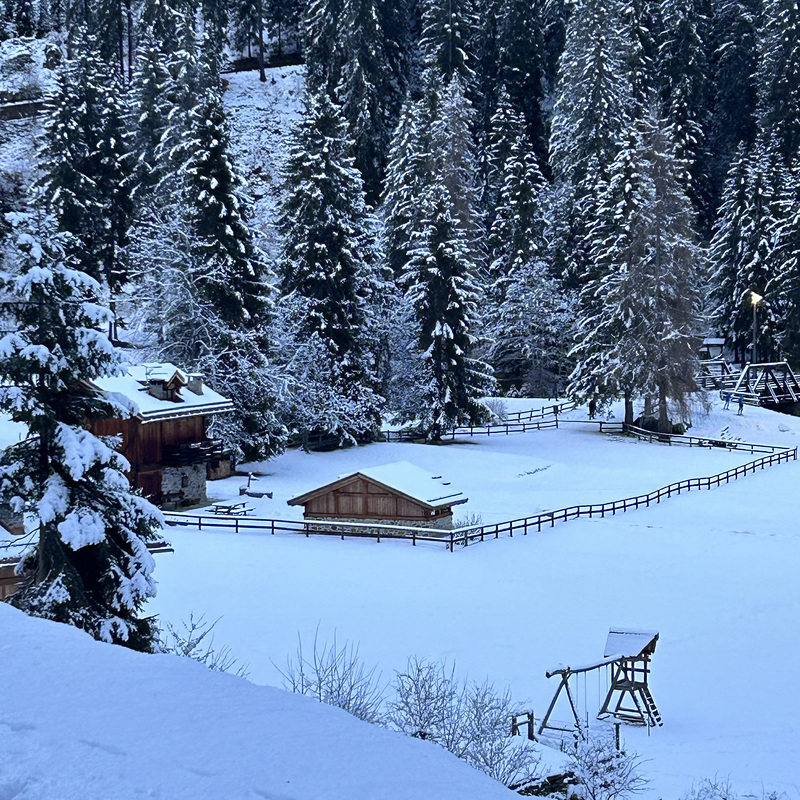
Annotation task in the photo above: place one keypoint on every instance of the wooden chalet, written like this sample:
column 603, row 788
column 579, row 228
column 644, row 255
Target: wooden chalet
column 399, row 493
column 164, row 439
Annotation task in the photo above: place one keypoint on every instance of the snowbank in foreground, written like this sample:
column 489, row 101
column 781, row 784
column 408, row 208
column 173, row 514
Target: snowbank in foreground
column 85, row 720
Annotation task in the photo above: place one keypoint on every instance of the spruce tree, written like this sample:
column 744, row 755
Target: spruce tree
column 90, row 566
column 778, row 78
column 87, row 169
column 327, row 266
column 785, row 258
column 440, row 285
column 406, row 173
column 322, row 51
column 735, row 59
column 594, row 103
column 366, row 92
column 444, row 261
column 447, row 37
column 639, row 325
column 687, row 95
column 741, row 250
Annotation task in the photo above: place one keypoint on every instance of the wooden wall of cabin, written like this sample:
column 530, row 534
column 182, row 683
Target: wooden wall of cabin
column 143, row 444
column 360, row 498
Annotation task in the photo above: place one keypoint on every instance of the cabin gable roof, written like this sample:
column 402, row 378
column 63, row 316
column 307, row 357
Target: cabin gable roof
column 401, row 478
column 156, row 392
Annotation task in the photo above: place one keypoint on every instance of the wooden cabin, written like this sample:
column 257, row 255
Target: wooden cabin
column 399, row 493
column 165, row 439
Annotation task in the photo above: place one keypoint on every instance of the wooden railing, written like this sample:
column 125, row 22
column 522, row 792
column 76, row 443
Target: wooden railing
column 541, row 413
column 503, row 428
column 469, row 535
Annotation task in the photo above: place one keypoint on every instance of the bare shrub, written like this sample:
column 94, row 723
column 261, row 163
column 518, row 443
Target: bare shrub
column 717, row 788
column 602, row 771
column 498, row 411
column 337, row 676
column 195, row 640
column 470, row 720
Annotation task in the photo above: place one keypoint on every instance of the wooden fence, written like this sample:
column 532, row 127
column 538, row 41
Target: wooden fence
column 541, row 413
column 470, row 535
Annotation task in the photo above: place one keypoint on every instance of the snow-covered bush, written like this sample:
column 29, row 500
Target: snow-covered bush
column 602, row 771
column 336, row 675
column 497, row 408
column 470, row 720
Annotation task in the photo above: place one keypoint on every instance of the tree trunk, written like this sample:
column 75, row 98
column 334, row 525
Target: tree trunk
column 628, row 409
column 648, row 406
column 262, row 76
column 664, row 425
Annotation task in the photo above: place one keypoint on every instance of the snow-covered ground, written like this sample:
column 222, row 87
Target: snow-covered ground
column 714, row 572
column 81, row 720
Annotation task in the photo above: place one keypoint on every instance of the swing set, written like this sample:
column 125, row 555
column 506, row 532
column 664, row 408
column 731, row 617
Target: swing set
column 626, row 665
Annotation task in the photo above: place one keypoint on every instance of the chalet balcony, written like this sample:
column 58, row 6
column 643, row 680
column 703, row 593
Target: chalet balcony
column 184, row 455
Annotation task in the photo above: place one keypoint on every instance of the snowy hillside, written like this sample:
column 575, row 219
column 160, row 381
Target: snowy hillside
column 261, row 116
column 82, row 720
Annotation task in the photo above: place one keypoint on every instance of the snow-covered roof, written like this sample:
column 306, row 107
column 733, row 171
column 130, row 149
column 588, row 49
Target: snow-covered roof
column 628, row 643
column 131, row 387
column 404, row 478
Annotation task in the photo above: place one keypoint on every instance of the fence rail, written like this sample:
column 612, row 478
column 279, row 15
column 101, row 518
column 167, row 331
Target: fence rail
column 541, row 413
column 470, row 535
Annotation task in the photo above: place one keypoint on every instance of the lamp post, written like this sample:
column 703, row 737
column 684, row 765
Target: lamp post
column 756, row 298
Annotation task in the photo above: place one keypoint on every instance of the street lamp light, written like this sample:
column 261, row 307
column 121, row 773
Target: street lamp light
column 756, row 298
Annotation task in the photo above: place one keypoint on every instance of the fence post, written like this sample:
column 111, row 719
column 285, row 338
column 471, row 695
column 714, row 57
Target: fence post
column 451, row 541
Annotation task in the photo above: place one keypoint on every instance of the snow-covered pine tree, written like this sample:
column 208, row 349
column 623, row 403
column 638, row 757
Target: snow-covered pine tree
column 151, row 111
column 215, row 32
column 162, row 20
column 90, row 566
column 247, row 16
column 108, row 26
column 406, row 172
column 446, row 41
column 688, row 94
column 366, row 91
column 228, row 278
column 593, row 105
column 86, row 167
column 741, row 250
column 521, row 68
column 516, row 235
column 639, row 323
column 785, row 260
column 778, row 78
column 326, row 271
column 440, row 277
column 529, row 315
column 735, row 57
column 439, row 282
column 505, row 129
column 645, row 25
column 321, row 45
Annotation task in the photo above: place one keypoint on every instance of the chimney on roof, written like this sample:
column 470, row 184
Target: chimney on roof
column 195, row 383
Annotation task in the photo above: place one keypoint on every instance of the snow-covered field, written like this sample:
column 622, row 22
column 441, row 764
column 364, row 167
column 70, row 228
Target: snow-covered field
column 714, row 572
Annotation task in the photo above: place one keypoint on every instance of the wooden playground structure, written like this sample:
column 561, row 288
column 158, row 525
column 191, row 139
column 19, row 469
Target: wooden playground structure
column 772, row 384
column 626, row 663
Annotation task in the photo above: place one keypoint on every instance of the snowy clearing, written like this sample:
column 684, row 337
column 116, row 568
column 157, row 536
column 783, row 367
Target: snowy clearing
column 714, row 572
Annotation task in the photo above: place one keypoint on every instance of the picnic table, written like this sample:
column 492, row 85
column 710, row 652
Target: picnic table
column 231, row 509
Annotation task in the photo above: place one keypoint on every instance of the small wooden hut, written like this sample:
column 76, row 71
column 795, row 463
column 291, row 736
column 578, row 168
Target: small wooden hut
column 399, row 493
column 165, row 439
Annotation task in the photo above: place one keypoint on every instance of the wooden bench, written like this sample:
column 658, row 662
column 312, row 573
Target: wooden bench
column 232, row 509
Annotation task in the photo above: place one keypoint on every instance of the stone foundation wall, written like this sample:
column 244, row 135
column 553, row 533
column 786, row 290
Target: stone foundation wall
column 223, row 468
column 183, row 486
column 444, row 524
